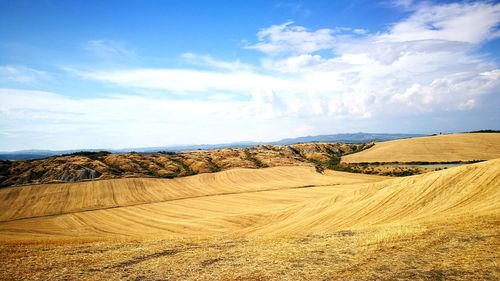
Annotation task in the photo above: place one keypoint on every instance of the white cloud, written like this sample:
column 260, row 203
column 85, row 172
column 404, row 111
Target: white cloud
column 293, row 64
column 493, row 75
column 21, row 74
column 402, row 3
column 462, row 91
column 290, row 39
column 426, row 63
column 109, row 48
column 415, row 64
column 468, row 22
column 287, row 38
column 220, row 64
column 360, row 31
column 183, row 81
column 65, row 123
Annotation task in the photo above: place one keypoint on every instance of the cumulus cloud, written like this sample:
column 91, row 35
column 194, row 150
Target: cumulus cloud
column 458, row 91
column 424, row 63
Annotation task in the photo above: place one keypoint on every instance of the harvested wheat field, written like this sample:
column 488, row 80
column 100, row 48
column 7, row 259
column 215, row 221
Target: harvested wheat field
column 56, row 199
column 440, row 148
column 145, row 207
column 274, row 223
column 249, row 140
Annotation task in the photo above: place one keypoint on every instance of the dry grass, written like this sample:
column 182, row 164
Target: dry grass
column 442, row 148
column 437, row 226
column 455, row 250
column 55, row 199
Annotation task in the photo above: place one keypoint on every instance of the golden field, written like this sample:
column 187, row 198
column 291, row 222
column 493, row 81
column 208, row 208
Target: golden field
column 440, row 148
column 152, row 207
column 275, row 223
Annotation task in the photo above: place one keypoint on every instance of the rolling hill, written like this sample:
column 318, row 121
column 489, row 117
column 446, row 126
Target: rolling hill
column 275, row 223
column 338, row 138
column 471, row 190
column 440, row 148
column 83, row 166
column 267, row 201
column 56, row 199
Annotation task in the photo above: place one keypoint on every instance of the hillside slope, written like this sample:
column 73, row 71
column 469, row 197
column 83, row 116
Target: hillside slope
column 467, row 190
column 437, row 226
column 441, row 148
column 470, row 190
column 54, row 199
column 104, row 165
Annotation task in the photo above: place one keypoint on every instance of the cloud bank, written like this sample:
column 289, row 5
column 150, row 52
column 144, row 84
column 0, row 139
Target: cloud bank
column 428, row 63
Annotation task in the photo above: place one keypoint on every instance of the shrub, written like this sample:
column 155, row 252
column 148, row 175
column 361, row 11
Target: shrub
column 319, row 168
column 167, row 152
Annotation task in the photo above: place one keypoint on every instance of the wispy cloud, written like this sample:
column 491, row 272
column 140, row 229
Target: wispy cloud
column 208, row 60
column 185, row 81
column 151, row 121
column 21, row 74
column 103, row 47
column 402, row 3
column 469, row 23
column 297, row 9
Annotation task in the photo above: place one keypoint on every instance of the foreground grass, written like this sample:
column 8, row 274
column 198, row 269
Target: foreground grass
column 462, row 249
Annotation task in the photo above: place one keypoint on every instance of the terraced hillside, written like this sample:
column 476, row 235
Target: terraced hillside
column 104, row 165
column 440, row 148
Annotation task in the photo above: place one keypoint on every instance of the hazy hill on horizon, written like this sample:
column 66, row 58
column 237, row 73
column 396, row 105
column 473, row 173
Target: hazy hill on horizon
column 354, row 138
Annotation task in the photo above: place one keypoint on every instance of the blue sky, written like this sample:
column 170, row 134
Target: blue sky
column 114, row 74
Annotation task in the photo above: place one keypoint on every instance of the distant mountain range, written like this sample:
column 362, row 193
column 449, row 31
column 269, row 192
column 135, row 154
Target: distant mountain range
column 339, row 138
column 347, row 138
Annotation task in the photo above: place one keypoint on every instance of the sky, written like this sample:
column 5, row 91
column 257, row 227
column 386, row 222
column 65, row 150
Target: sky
column 123, row 74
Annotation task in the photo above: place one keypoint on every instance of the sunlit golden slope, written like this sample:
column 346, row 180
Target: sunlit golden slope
column 462, row 191
column 441, row 148
column 470, row 190
column 54, row 199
